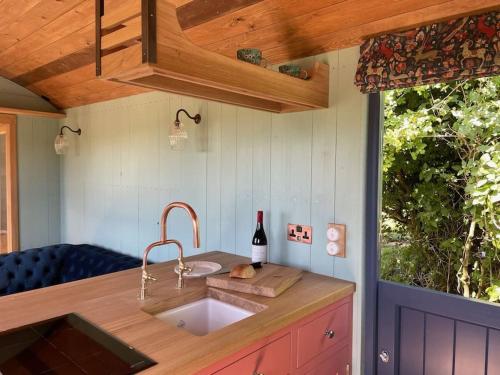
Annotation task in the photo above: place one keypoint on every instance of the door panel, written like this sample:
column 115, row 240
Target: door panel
column 412, row 342
column 470, row 349
column 439, row 341
column 441, row 333
column 493, row 352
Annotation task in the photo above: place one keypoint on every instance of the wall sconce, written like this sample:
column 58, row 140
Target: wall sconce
column 178, row 135
column 61, row 142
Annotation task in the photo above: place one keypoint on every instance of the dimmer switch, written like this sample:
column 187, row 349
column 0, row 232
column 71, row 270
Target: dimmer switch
column 335, row 235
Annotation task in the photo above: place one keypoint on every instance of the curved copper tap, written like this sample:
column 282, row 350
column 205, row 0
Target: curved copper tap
column 191, row 213
column 146, row 276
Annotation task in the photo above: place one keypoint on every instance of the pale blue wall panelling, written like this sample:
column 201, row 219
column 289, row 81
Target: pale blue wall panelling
column 304, row 168
column 300, row 168
column 38, row 181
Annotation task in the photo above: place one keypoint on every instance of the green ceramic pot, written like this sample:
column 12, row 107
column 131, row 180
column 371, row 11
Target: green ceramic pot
column 250, row 55
column 294, row 71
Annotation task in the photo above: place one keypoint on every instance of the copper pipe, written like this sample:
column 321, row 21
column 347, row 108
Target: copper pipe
column 191, row 213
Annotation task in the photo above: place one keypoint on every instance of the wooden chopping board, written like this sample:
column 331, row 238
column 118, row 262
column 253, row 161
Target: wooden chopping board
column 270, row 281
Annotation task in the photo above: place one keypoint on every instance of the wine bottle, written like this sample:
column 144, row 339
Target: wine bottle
column 259, row 241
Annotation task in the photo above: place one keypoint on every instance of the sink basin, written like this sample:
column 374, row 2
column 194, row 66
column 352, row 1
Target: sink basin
column 204, row 316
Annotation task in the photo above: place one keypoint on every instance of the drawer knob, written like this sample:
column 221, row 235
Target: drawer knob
column 330, row 333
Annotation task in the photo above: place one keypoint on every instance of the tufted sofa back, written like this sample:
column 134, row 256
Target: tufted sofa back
column 83, row 261
column 31, row 269
column 51, row 265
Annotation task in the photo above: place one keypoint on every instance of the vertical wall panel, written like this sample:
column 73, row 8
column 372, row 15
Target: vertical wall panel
column 214, row 159
column 38, row 182
column 228, row 179
column 439, row 341
column 323, row 172
column 244, row 192
column 470, row 349
column 412, row 342
column 290, row 185
column 261, row 167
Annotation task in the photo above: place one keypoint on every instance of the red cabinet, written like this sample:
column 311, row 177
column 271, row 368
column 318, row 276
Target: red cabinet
column 273, row 358
column 319, row 344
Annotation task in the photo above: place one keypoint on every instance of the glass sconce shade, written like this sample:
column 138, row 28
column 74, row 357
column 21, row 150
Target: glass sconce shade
column 61, row 144
column 177, row 136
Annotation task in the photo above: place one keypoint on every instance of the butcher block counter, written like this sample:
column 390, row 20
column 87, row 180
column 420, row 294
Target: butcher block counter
column 111, row 302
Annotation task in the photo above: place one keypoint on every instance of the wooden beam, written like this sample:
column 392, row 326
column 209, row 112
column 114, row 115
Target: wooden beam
column 31, row 113
column 63, row 65
column 68, row 45
column 197, row 12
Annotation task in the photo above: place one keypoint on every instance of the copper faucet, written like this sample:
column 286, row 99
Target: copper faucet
column 146, row 276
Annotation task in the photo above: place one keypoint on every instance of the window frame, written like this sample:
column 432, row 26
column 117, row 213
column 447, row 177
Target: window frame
column 8, row 127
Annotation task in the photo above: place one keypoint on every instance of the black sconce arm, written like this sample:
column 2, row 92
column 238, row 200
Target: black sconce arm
column 196, row 118
column 77, row 131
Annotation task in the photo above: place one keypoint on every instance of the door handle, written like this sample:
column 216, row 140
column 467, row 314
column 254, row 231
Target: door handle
column 384, row 356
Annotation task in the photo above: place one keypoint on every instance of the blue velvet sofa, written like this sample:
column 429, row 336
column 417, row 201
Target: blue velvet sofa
column 56, row 264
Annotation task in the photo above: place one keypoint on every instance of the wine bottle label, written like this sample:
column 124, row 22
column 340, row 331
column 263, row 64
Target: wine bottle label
column 259, row 253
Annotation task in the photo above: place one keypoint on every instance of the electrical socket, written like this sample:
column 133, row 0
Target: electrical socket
column 299, row 233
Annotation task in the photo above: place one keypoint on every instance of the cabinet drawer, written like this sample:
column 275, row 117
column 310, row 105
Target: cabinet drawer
column 313, row 337
column 272, row 359
column 338, row 364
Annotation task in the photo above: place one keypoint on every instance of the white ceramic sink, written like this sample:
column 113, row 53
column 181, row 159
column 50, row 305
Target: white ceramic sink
column 204, row 316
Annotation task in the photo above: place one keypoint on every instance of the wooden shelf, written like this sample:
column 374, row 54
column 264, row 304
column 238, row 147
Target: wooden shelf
column 32, row 113
column 147, row 47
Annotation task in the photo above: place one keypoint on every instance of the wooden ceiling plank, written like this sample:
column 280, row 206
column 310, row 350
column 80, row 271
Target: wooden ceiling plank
column 355, row 35
column 70, row 44
column 34, row 19
column 304, row 28
column 253, row 18
column 13, row 9
column 197, row 12
column 67, row 24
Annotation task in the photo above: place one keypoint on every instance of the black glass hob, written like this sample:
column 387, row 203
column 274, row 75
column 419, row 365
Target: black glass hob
column 67, row 345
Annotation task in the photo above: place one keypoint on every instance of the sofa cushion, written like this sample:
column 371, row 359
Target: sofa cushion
column 83, row 261
column 31, row 269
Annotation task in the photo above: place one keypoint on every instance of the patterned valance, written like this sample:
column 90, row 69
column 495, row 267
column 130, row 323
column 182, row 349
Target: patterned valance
column 468, row 47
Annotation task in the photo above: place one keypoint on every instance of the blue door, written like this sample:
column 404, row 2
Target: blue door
column 412, row 330
column 421, row 331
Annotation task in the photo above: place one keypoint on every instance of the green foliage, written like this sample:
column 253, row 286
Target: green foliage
column 441, row 186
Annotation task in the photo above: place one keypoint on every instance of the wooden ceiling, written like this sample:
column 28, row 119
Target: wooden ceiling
column 47, row 46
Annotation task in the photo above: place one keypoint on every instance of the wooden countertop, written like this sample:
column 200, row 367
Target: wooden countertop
column 110, row 301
